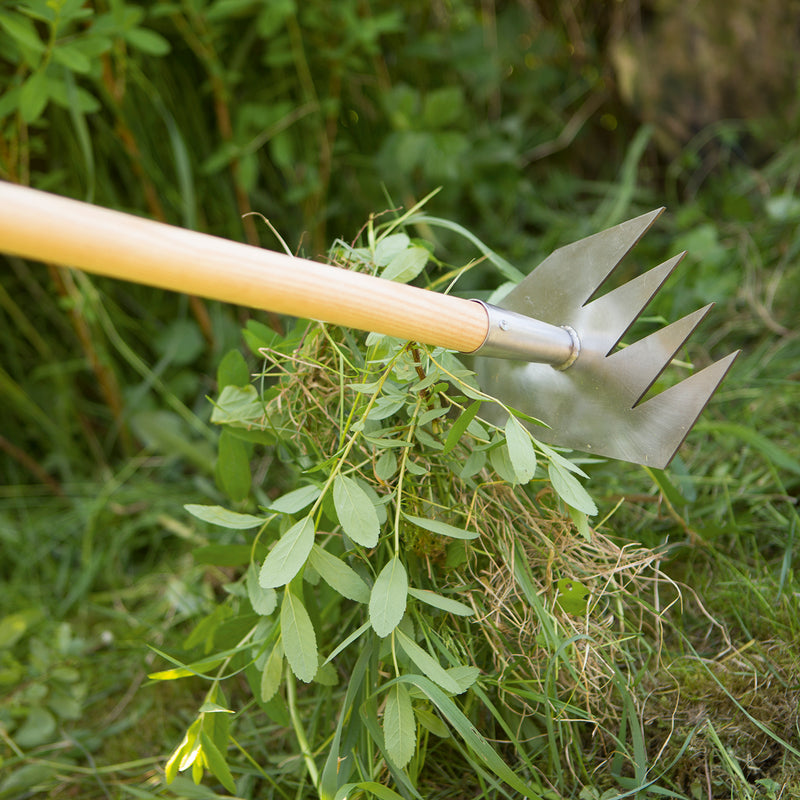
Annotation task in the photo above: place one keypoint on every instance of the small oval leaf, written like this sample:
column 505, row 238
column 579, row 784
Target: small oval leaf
column 570, row 490
column 399, row 725
column 520, row 450
column 356, row 511
column 299, row 639
column 387, row 602
column 442, row 603
column 217, row 515
column 442, row 528
column 288, row 556
column 338, row 575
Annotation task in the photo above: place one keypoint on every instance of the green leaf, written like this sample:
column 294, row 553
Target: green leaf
column 443, row 603
column 238, row 405
column 338, row 575
column 232, row 370
column 460, row 426
column 38, row 728
column 72, row 58
column 299, row 640
column 22, row 30
column 389, row 247
column 33, row 97
column 217, row 515
column 431, row 722
column 569, row 489
column 273, row 672
column 150, row 42
column 500, row 460
column 572, row 596
column 217, row 763
column 427, row 664
column 296, row 500
column 264, row 600
column 377, row 789
column 399, row 725
column 356, row 511
column 387, row 602
column 386, row 466
column 233, row 467
column 520, row 450
column 288, row 556
column 442, row 528
column 406, row 265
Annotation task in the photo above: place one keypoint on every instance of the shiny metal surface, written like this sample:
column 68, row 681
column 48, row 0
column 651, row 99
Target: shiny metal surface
column 594, row 404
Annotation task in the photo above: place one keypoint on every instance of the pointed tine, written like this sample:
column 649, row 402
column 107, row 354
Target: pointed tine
column 568, row 277
column 616, row 311
column 637, row 367
column 668, row 417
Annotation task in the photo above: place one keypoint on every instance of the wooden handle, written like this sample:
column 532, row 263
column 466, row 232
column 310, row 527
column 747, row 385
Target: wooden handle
column 69, row 233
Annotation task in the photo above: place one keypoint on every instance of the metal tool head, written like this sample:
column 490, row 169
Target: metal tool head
column 594, row 405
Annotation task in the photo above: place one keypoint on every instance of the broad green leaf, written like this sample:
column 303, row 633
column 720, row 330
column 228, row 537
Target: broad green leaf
column 338, row 575
column 238, row 405
column 273, row 672
column 389, row 247
column 520, row 450
column 431, row 722
column 406, row 265
column 233, row 467
column 34, row 96
column 399, row 725
column 387, row 602
column 150, row 42
column 296, row 500
column 572, row 596
column 232, row 370
column 569, row 489
column 216, row 762
column 427, row 664
column 500, row 460
column 299, row 639
column 264, row 600
column 356, row 512
column 460, row 426
column 464, row 675
column 386, row 466
column 443, row 603
column 442, row 528
column 22, row 29
column 327, row 675
column 286, row 559
column 37, row 729
column 217, row 515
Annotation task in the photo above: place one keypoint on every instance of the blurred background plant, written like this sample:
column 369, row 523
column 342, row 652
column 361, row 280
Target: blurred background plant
column 542, row 122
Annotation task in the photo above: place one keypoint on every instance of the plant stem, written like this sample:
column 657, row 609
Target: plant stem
column 299, row 732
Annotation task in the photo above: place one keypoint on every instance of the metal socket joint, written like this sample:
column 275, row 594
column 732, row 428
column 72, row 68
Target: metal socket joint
column 517, row 336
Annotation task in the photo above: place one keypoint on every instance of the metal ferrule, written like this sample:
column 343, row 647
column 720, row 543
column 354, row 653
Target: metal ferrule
column 517, row 336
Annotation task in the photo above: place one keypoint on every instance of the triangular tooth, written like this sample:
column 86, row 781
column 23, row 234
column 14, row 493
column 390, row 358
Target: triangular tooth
column 666, row 419
column 568, row 277
column 638, row 366
column 611, row 315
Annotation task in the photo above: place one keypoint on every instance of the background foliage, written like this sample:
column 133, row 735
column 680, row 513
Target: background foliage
column 542, row 122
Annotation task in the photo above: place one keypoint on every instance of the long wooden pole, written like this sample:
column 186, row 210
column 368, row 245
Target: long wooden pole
column 57, row 230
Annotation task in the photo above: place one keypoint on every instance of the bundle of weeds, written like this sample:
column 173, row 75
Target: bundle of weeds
column 565, row 618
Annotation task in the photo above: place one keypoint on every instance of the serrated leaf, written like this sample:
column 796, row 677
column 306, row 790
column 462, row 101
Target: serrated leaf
column 569, row 489
column 464, row 675
column 356, row 512
column 406, row 265
column 273, row 672
column 216, row 762
column 338, row 575
column 442, row 528
column 427, row 664
column 296, row 500
column 460, row 426
column 217, row 515
column 442, row 603
column 399, row 725
column 520, row 450
column 264, row 600
column 387, row 602
column 288, row 556
column 299, row 639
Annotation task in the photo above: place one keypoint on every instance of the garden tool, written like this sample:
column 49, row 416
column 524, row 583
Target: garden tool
column 546, row 349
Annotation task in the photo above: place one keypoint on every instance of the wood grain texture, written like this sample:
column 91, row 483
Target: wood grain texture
column 57, row 230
